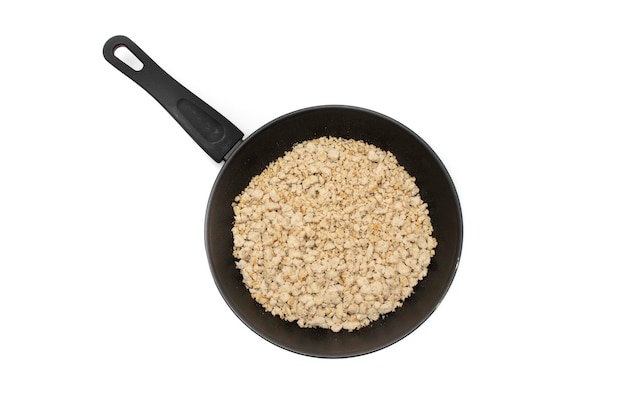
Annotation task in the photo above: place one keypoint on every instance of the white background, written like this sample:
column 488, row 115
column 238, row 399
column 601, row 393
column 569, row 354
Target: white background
column 107, row 304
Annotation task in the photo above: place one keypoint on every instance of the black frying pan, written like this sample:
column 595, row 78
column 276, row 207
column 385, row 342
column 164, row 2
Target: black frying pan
column 246, row 158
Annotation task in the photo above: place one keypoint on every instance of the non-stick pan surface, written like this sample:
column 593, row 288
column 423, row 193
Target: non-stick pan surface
column 250, row 156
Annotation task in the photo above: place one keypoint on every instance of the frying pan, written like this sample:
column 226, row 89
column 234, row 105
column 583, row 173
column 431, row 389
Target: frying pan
column 244, row 159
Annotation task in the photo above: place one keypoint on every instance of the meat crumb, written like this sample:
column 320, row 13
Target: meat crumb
column 333, row 234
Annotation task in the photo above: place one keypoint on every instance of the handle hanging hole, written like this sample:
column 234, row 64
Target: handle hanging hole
column 127, row 57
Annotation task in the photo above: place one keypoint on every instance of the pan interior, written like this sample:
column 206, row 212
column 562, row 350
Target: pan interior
column 272, row 141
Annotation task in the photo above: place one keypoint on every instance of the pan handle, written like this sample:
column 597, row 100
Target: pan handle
column 212, row 131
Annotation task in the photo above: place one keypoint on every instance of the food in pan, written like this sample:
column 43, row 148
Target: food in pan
column 333, row 234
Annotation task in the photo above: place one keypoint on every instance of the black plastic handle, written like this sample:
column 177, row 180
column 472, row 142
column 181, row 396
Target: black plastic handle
column 212, row 131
